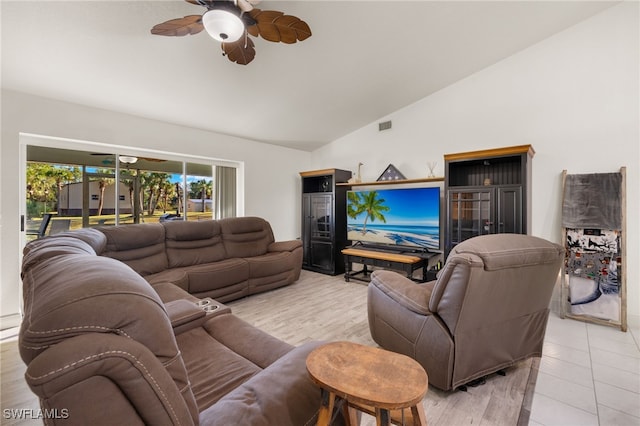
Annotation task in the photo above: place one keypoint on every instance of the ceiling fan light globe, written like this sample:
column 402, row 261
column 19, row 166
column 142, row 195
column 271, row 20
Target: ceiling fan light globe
column 223, row 25
column 127, row 159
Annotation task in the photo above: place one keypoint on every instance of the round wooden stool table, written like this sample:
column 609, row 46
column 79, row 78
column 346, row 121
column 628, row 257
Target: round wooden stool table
column 368, row 379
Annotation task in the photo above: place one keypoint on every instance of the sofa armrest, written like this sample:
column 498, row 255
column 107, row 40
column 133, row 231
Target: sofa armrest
column 184, row 314
column 99, row 366
column 187, row 314
column 407, row 293
column 280, row 246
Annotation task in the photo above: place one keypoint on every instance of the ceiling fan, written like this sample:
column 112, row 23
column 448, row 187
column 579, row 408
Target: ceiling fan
column 127, row 159
column 231, row 21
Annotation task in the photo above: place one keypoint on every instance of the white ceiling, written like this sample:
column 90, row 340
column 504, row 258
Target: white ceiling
column 365, row 60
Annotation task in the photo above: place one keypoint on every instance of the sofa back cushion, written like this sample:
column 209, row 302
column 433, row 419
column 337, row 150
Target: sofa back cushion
column 44, row 248
column 140, row 246
column 193, row 242
column 246, row 236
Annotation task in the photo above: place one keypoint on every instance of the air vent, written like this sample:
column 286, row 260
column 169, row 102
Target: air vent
column 386, row 125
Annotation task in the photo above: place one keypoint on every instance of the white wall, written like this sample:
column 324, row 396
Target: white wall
column 272, row 182
column 574, row 97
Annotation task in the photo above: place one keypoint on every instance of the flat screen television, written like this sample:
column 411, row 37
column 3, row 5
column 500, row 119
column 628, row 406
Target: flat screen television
column 399, row 216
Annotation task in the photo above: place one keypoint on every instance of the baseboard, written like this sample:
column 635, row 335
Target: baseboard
column 10, row 321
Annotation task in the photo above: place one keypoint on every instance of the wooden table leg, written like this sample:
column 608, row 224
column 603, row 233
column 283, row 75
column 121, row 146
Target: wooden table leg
column 350, row 415
column 418, row 416
column 326, row 409
column 383, row 417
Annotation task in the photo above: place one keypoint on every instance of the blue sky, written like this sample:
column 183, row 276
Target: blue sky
column 173, row 178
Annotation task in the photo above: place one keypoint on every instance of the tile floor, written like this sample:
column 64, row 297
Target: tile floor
column 589, row 374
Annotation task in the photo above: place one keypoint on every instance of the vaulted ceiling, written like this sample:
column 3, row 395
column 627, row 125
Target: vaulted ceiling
column 365, row 60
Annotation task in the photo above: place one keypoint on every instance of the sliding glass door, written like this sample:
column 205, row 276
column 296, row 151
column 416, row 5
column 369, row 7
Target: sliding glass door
column 76, row 188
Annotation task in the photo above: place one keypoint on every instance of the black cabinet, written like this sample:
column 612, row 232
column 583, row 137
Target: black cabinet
column 324, row 220
column 488, row 192
column 483, row 211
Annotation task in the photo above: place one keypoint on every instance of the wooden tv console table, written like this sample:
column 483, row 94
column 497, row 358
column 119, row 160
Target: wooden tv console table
column 407, row 263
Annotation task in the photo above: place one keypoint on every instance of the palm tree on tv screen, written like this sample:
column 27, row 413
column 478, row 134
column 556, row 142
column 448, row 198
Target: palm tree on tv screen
column 369, row 203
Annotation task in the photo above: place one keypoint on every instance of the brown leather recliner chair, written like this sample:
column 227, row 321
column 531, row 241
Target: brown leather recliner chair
column 487, row 310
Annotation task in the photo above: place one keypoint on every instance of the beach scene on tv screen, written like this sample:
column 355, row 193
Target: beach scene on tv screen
column 408, row 217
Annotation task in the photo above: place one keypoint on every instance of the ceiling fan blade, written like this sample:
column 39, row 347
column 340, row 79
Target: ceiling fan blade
column 191, row 24
column 205, row 3
column 278, row 27
column 153, row 160
column 241, row 51
column 244, row 5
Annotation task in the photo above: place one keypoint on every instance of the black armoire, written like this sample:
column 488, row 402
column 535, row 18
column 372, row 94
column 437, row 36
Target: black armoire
column 487, row 192
column 324, row 220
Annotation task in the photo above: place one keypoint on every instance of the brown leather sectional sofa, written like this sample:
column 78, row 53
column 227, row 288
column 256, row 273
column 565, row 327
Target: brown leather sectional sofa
column 223, row 259
column 104, row 346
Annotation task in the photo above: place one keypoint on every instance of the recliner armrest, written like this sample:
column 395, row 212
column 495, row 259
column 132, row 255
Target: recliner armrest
column 183, row 311
column 187, row 314
column 407, row 293
column 279, row 246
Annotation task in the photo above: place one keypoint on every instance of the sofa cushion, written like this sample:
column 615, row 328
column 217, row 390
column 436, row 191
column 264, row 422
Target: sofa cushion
column 228, row 293
column 261, row 348
column 240, row 353
column 214, row 369
column 218, row 275
column 210, row 279
column 177, row 276
column 270, row 264
column 193, row 242
column 140, row 246
column 246, row 236
column 282, row 394
column 271, row 270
